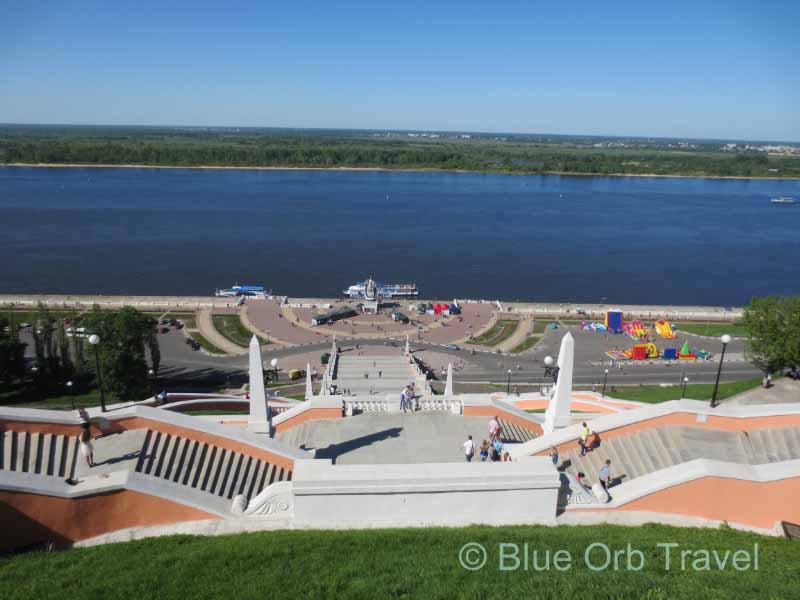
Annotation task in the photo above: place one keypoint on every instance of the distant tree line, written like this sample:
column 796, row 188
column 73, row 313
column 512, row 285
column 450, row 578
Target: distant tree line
column 156, row 148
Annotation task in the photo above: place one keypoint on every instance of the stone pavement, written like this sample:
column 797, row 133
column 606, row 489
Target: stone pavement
column 390, row 438
column 783, row 390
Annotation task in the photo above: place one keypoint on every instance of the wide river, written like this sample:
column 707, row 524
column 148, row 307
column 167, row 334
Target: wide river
column 312, row 233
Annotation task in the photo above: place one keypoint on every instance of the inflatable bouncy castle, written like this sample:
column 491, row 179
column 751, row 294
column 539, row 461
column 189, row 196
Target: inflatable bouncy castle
column 685, row 353
column 664, row 329
column 614, row 321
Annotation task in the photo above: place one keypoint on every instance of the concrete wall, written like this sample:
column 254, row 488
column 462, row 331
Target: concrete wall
column 449, row 494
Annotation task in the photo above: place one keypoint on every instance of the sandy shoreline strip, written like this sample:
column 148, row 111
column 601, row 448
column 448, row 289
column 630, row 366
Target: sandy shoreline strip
column 383, row 169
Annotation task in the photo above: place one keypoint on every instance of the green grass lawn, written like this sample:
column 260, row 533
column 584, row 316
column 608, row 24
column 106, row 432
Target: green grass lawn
column 698, row 391
column 528, row 343
column 713, row 329
column 231, row 327
column 205, row 344
column 404, row 563
column 500, row 332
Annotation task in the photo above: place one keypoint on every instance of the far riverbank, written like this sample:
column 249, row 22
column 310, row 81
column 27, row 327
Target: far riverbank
column 385, row 169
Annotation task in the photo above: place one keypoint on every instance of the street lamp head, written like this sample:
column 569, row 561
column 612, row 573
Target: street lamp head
column 509, row 371
column 150, row 372
column 273, row 363
column 606, row 371
column 725, row 339
column 548, row 361
column 69, row 384
column 94, row 339
column 685, row 380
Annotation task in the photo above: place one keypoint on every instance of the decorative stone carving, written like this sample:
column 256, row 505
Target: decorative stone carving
column 276, row 499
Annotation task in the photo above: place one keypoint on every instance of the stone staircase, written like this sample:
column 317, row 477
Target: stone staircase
column 516, row 433
column 658, row 448
column 205, row 467
column 45, row 454
column 395, row 374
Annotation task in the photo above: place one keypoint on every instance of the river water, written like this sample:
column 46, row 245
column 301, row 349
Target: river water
column 312, row 233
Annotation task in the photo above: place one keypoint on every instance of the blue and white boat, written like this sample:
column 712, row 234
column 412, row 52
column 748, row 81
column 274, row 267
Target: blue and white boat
column 357, row 291
column 253, row 291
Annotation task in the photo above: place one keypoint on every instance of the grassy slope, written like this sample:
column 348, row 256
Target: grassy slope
column 713, row 329
column 699, row 391
column 231, row 327
column 500, row 332
column 527, row 343
column 419, row 563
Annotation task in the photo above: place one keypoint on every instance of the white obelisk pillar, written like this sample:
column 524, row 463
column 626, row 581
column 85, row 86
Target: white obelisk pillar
column 309, row 389
column 258, row 421
column 558, row 410
column 448, row 386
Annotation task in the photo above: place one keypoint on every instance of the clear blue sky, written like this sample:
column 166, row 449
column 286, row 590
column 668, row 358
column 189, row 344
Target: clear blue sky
column 687, row 69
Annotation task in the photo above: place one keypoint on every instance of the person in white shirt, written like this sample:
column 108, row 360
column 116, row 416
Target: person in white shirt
column 469, row 449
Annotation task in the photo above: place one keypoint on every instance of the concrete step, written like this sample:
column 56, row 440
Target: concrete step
column 780, row 444
column 793, row 441
column 193, row 459
column 642, row 452
column 210, row 465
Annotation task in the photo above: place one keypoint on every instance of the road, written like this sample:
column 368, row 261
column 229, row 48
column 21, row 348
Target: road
column 182, row 363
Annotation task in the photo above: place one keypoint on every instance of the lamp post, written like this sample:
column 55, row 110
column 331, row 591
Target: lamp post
column 153, row 382
column 71, row 397
column 725, row 339
column 685, row 381
column 605, row 379
column 508, row 384
column 549, row 369
column 94, row 340
column 274, row 364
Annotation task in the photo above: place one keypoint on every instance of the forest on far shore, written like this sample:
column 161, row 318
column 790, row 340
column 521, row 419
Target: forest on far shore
column 191, row 147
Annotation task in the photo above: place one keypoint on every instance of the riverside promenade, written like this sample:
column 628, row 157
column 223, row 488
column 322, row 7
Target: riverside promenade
column 193, row 303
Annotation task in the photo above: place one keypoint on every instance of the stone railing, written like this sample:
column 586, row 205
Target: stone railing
column 440, row 403
column 359, row 404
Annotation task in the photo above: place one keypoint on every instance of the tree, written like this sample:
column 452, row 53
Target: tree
column 773, row 324
column 12, row 352
column 125, row 335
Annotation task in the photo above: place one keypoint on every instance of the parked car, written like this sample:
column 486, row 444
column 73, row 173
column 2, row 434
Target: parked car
column 452, row 347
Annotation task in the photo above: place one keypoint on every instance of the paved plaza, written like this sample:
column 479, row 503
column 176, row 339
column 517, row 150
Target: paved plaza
column 394, row 438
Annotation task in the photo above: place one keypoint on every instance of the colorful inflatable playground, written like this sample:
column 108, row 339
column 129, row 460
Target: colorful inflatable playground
column 645, row 347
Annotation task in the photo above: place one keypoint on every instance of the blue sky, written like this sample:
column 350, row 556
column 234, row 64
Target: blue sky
column 684, row 69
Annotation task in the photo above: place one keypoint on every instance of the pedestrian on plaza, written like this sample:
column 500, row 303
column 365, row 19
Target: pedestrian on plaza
column 404, row 399
column 484, row 450
column 494, row 429
column 496, row 451
column 554, row 456
column 380, row 374
column 582, row 441
column 469, row 449
column 581, row 477
column 412, row 397
column 86, row 446
column 605, row 475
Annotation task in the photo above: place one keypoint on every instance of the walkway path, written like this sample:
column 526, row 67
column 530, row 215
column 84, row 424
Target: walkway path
column 206, row 327
column 521, row 333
